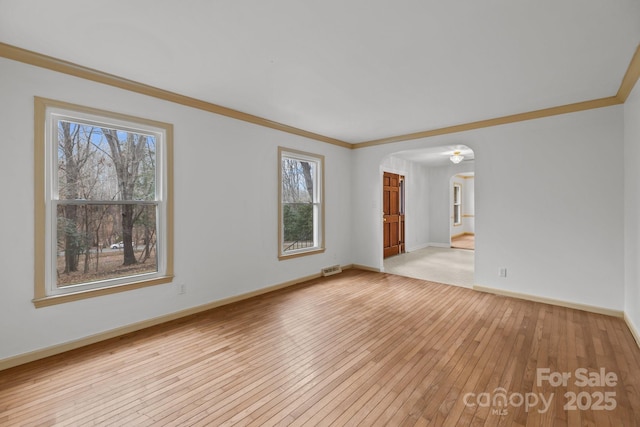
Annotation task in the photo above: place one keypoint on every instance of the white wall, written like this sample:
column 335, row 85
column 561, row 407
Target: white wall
column 548, row 199
column 225, row 211
column 468, row 205
column 548, row 192
column 416, row 197
column 632, row 207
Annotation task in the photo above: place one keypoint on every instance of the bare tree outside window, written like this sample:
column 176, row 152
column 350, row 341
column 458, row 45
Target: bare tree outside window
column 103, row 202
column 106, row 209
column 297, row 192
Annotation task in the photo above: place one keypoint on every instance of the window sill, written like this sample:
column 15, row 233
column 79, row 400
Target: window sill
column 76, row 296
column 282, row 257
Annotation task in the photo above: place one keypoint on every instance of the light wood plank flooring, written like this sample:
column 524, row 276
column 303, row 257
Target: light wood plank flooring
column 466, row 241
column 358, row 348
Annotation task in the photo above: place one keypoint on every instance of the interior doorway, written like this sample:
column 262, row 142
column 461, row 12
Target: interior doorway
column 393, row 215
column 430, row 214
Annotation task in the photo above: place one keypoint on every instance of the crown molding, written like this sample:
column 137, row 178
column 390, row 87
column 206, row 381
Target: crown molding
column 530, row 115
column 59, row 65
column 626, row 86
column 39, row 60
column 630, row 78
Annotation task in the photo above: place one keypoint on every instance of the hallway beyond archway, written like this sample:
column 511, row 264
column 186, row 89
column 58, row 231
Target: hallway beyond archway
column 442, row 265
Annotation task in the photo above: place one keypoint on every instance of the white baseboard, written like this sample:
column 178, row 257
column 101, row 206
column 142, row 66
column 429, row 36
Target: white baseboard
column 632, row 328
column 92, row 339
column 71, row 345
column 417, row 247
column 439, row 245
column 362, row 267
column 567, row 304
column 464, row 233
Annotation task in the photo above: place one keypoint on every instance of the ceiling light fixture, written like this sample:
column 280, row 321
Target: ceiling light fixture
column 456, row 157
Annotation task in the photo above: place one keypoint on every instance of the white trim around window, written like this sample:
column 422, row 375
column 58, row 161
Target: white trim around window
column 457, row 204
column 300, row 203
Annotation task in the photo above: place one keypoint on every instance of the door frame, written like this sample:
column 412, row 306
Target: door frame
column 393, row 211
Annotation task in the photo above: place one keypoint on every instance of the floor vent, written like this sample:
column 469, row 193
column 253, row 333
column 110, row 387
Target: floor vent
column 334, row 269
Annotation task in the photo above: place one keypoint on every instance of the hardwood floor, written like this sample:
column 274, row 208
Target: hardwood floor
column 466, row 241
column 358, row 348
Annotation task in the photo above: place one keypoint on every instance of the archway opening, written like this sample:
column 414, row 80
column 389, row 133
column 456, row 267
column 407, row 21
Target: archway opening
column 432, row 218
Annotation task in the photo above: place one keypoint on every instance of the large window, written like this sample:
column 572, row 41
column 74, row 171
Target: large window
column 301, row 206
column 103, row 202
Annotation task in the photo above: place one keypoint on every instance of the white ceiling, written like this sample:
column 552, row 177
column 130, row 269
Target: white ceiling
column 354, row 70
column 436, row 156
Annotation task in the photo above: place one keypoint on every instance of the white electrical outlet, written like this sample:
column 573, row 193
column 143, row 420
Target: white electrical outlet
column 502, row 272
column 182, row 289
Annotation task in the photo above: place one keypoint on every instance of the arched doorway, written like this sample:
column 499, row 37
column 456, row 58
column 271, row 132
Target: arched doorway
column 428, row 208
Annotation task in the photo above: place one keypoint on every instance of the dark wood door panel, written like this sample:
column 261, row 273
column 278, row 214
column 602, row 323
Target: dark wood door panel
column 392, row 216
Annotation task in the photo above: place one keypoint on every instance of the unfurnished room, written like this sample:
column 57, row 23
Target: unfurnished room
column 305, row 213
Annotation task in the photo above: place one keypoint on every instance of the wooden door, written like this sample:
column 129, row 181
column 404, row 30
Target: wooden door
column 392, row 214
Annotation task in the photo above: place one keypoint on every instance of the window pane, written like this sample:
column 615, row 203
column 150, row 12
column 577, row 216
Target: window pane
column 298, row 181
column 92, row 242
column 300, row 227
column 96, row 163
column 297, row 221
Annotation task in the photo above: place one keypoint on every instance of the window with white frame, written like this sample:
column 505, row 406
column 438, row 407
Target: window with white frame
column 301, row 205
column 457, row 204
column 103, row 202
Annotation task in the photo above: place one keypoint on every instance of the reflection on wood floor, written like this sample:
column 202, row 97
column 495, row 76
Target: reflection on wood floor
column 357, row 348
